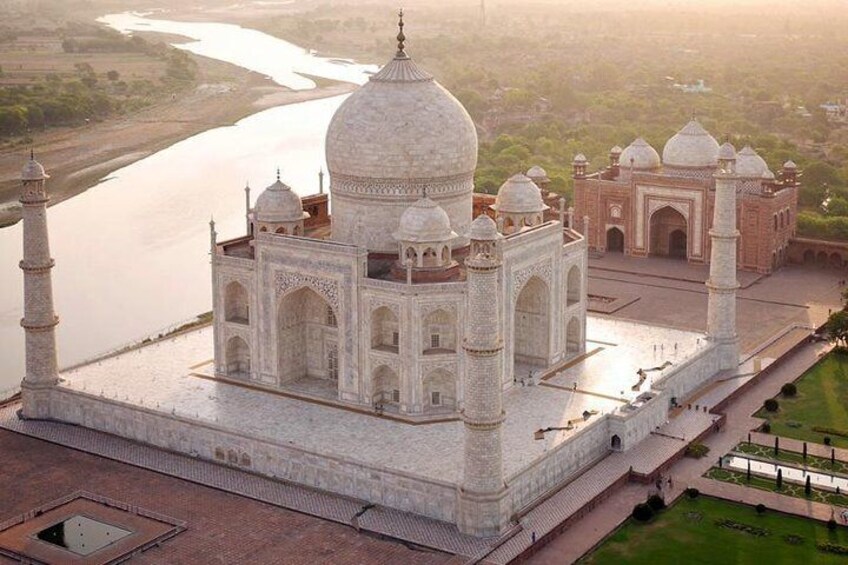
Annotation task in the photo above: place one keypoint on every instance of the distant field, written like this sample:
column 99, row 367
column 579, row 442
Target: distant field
column 821, row 402
column 688, row 533
column 28, row 61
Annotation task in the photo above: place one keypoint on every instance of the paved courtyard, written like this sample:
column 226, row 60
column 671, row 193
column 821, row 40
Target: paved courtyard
column 672, row 293
column 161, row 377
column 222, row 528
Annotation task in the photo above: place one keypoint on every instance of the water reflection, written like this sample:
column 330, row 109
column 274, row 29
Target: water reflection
column 131, row 253
column 790, row 474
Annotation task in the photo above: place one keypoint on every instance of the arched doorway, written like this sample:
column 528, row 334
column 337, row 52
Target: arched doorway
column 385, row 386
column 615, row 240
column 531, row 324
column 238, row 358
column 809, row 257
column 669, row 234
column 572, row 336
column 615, row 443
column 306, row 337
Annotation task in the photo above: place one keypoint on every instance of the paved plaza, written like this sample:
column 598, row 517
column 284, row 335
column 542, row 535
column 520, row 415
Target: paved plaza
column 222, row 528
column 672, row 293
column 162, row 377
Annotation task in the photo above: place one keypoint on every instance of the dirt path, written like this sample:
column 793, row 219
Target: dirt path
column 77, row 158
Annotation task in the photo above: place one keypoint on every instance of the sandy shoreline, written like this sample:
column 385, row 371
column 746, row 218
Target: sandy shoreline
column 77, row 158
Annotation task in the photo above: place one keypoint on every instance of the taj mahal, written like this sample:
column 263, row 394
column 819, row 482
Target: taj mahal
column 379, row 342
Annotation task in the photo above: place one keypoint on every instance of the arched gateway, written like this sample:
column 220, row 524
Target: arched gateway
column 669, row 233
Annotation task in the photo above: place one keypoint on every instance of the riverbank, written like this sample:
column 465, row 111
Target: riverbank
column 77, row 158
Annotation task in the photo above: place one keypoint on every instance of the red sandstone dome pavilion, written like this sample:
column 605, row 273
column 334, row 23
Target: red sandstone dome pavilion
column 641, row 205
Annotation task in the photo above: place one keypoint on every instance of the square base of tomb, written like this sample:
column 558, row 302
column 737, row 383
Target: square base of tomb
column 84, row 529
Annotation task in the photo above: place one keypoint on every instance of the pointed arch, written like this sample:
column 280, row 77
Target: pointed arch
column 615, row 240
column 385, row 330
column 440, row 390
column 385, row 386
column 439, row 332
column 669, row 233
column 531, row 323
column 574, row 286
column 238, row 358
column 304, row 335
column 573, row 336
column 236, row 303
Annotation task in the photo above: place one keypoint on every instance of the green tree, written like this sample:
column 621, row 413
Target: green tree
column 837, row 328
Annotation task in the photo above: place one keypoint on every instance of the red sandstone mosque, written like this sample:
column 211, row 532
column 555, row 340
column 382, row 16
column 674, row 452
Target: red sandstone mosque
column 642, row 205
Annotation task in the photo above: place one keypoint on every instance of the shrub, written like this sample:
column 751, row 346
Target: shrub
column 789, row 389
column 740, row 527
column 692, row 492
column 656, row 502
column 697, row 450
column 642, row 512
column 761, row 508
column 831, row 525
column 766, row 428
column 771, row 405
column 833, row 548
column 827, row 440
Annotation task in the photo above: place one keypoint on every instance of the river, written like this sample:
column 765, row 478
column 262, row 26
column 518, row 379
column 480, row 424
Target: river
column 132, row 252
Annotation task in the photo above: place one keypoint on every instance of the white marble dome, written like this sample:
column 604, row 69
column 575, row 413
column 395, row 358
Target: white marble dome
column 519, row 195
column 749, row 164
column 424, row 222
column 33, row 171
column 394, row 136
column 279, row 203
column 537, row 174
column 643, row 155
column 691, row 147
column 483, row 228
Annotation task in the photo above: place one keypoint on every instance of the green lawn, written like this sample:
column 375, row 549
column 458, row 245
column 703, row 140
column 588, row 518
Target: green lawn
column 821, row 401
column 687, row 533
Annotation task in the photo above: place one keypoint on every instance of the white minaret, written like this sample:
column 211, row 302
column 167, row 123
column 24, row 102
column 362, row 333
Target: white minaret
column 39, row 320
column 483, row 509
column 722, row 284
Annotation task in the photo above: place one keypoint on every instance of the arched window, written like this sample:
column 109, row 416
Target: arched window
column 574, row 286
column 439, row 332
column 439, row 390
column 236, row 304
column 430, row 258
column 385, row 331
column 411, row 256
column 281, row 231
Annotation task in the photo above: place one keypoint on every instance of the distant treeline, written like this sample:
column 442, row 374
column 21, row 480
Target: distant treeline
column 62, row 102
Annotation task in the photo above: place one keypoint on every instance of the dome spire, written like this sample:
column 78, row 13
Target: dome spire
column 400, row 36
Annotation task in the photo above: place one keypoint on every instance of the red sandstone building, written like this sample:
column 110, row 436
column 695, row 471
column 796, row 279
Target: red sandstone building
column 642, row 205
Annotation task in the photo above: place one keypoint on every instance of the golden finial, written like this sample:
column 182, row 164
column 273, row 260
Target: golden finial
column 400, row 36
